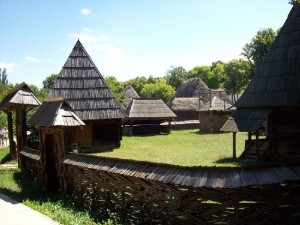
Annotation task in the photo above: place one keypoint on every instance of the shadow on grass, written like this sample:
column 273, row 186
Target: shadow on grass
column 34, row 192
column 240, row 162
column 5, row 159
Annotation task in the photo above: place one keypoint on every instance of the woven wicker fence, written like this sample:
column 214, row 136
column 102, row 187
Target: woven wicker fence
column 142, row 201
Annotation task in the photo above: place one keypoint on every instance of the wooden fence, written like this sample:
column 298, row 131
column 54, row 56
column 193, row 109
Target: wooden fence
column 144, row 193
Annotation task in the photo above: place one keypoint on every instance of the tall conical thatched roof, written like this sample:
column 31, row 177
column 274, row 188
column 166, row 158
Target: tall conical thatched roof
column 20, row 95
column 277, row 81
column 129, row 94
column 83, row 86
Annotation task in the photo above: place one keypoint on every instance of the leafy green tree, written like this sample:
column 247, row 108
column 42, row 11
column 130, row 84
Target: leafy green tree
column 137, row 83
column 3, row 76
column 4, row 90
column 295, row 2
column 205, row 73
column 256, row 50
column 175, row 76
column 49, row 81
column 236, row 76
column 158, row 90
column 116, row 87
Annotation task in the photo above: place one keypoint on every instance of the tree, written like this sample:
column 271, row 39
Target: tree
column 158, row 90
column 137, row 83
column 175, row 76
column 236, row 76
column 49, row 81
column 295, row 2
column 116, row 87
column 3, row 76
column 256, row 50
column 205, row 73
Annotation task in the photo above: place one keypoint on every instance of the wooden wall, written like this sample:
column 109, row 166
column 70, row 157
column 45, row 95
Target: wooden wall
column 212, row 121
column 285, row 133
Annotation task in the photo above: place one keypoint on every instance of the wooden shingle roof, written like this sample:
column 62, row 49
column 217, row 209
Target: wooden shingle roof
column 211, row 177
column 55, row 112
column 184, row 104
column 149, row 109
column 20, row 95
column 129, row 94
column 217, row 104
column 83, row 86
column 277, row 81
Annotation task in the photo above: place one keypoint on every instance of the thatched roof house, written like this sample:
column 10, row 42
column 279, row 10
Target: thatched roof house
column 274, row 96
column 214, row 114
column 146, row 115
column 81, row 84
column 129, row 94
column 190, row 95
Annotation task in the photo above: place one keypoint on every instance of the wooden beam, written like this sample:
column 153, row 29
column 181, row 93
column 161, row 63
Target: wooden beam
column 234, row 145
column 12, row 145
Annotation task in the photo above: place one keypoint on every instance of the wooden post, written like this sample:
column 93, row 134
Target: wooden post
column 12, row 147
column 257, row 144
column 234, row 145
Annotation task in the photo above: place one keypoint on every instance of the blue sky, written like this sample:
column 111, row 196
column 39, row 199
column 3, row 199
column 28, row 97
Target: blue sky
column 128, row 38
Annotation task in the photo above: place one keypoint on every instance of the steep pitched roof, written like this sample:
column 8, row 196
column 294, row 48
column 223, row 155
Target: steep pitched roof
column 216, row 104
column 83, row 86
column 129, row 94
column 277, row 81
column 20, row 95
column 149, row 109
column 191, row 88
column 55, row 112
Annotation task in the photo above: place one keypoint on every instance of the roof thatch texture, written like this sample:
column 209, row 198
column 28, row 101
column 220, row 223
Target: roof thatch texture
column 83, row 86
column 20, row 95
column 55, row 112
column 216, row 104
column 191, row 88
column 129, row 94
column 149, row 109
column 184, row 104
column 276, row 82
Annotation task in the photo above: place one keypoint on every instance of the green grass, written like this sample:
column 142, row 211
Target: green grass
column 185, row 147
column 59, row 207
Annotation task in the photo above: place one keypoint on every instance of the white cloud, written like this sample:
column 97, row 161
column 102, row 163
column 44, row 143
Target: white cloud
column 85, row 12
column 31, row 59
column 63, row 49
column 10, row 67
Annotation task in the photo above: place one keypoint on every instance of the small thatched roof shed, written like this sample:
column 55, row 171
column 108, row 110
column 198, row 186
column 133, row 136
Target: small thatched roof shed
column 129, row 94
column 150, row 112
column 20, row 96
column 273, row 95
column 55, row 112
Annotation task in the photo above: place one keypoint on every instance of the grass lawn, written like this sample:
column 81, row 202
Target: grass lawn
column 185, row 147
column 60, row 208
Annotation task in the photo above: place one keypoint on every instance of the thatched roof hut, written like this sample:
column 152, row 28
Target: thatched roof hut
column 274, row 96
column 81, row 84
column 214, row 114
column 129, row 94
column 148, row 114
column 189, row 97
